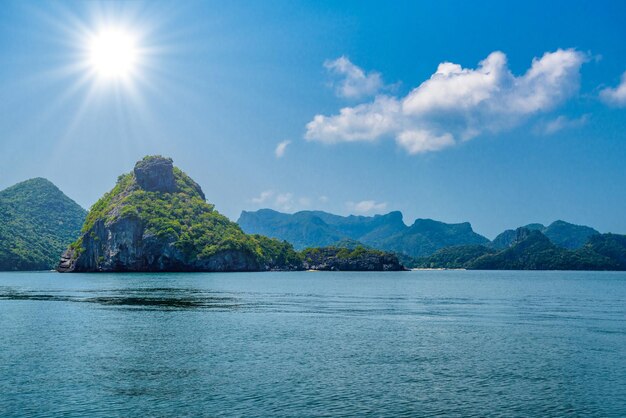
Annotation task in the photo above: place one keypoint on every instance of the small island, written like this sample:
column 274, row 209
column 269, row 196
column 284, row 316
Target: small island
column 344, row 259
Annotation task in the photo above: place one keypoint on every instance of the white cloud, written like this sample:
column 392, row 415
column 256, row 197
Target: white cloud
column 420, row 141
column 457, row 103
column 365, row 122
column 367, row 206
column 354, row 83
column 561, row 123
column 304, row 202
column 263, row 197
column 281, row 201
column 284, row 201
column 281, row 148
column 615, row 96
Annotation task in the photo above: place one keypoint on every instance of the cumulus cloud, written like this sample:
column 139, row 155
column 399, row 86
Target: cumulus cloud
column 281, row 201
column 457, row 104
column 615, row 96
column 352, row 82
column 367, row 206
column 419, row 140
column 365, row 122
column 284, row 201
column 263, row 197
column 304, row 202
column 281, row 148
column 561, row 123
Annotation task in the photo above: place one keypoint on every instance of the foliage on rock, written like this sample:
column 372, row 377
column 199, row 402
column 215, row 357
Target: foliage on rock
column 182, row 220
column 346, row 259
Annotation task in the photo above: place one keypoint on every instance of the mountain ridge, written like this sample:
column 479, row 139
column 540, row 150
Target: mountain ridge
column 532, row 250
column 385, row 232
column 37, row 222
column 389, row 232
column 561, row 233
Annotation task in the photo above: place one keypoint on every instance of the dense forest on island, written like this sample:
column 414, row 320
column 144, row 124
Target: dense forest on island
column 37, row 222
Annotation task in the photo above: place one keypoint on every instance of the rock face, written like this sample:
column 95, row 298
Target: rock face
column 342, row 259
column 126, row 245
column 156, row 219
column 156, row 175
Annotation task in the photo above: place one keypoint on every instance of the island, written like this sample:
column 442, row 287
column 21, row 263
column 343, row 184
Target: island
column 345, row 259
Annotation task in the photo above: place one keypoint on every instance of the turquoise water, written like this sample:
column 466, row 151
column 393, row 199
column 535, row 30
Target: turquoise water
column 425, row 343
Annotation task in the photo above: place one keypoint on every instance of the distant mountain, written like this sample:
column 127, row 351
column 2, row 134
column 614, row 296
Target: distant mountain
column 426, row 236
column 460, row 256
column 37, row 222
column 303, row 229
column 560, row 233
column 611, row 246
column 385, row 232
column 532, row 250
column 504, row 240
column 566, row 235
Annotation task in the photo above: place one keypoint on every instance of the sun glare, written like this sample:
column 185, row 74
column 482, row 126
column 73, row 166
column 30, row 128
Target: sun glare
column 113, row 53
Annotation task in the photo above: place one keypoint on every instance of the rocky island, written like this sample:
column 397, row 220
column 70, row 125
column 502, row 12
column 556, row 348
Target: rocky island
column 156, row 219
column 345, row 259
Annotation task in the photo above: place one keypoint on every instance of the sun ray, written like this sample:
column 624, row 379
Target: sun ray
column 110, row 59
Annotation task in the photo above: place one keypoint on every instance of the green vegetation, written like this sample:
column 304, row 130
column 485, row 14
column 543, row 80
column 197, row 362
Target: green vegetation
column 561, row 233
column 185, row 219
column 532, row 250
column 341, row 252
column 346, row 259
column 37, row 222
column 453, row 257
column 567, row 235
column 386, row 232
column 426, row 236
column 611, row 246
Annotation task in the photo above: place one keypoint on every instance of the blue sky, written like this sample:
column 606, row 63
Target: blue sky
column 496, row 113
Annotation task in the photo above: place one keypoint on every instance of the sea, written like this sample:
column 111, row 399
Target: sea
column 300, row 344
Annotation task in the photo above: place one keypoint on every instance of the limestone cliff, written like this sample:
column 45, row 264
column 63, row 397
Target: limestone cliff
column 156, row 219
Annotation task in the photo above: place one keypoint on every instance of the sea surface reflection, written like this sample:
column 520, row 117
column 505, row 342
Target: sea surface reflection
column 423, row 343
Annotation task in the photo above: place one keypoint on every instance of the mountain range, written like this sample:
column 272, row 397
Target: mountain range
column 176, row 226
column 385, row 232
column 389, row 232
column 532, row 250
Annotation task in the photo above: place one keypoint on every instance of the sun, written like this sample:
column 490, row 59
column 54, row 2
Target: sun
column 113, row 53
